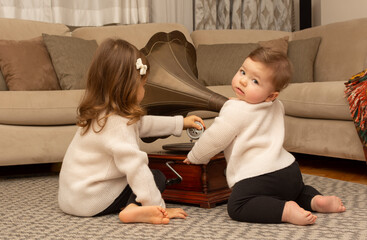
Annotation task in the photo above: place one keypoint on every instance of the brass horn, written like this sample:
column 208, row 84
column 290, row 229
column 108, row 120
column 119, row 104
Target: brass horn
column 173, row 87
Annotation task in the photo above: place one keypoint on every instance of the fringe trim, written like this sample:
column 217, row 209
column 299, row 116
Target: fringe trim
column 356, row 93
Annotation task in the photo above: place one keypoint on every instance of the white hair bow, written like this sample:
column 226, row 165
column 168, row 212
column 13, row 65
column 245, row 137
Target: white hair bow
column 139, row 65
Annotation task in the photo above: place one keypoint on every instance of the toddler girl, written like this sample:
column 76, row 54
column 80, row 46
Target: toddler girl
column 103, row 170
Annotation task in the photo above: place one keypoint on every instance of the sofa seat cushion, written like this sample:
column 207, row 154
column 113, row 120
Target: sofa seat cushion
column 322, row 100
column 39, row 107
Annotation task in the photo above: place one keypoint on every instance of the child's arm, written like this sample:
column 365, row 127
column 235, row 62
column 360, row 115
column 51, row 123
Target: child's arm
column 157, row 126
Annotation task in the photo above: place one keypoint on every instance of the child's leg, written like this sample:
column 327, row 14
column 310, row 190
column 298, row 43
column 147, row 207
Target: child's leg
column 294, row 214
column 144, row 214
column 313, row 200
column 259, row 209
column 269, row 198
column 327, row 204
column 127, row 196
column 160, row 181
column 134, row 212
column 266, row 209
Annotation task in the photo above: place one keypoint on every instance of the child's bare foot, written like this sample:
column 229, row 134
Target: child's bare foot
column 144, row 214
column 327, row 204
column 176, row 213
column 294, row 214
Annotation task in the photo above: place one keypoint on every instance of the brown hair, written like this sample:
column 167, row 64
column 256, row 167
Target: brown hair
column 278, row 62
column 112, row 84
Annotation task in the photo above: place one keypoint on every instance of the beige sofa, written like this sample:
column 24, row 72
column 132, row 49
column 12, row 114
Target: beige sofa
column 37, row 126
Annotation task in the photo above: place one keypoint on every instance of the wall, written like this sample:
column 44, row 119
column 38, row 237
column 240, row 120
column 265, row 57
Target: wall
column 330, row 11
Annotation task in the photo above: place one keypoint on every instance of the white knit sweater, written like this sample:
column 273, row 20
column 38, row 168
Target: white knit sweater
column 98, row 166
column 251, row 136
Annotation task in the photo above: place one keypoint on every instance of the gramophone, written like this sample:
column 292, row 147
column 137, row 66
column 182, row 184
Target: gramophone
column 173, row 87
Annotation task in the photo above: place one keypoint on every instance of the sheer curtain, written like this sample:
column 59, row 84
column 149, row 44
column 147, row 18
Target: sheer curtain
column 78, row 12
column 37, row 10
column 173, row 11
column 247, row 14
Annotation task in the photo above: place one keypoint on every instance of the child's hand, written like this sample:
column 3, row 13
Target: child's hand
column 176, row 213
column 189, row 122
column 187, row 161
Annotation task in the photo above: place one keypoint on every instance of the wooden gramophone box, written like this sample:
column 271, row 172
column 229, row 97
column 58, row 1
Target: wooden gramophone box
column 204, row 185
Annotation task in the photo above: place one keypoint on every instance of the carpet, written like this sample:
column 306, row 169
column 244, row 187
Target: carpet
column 29, row 210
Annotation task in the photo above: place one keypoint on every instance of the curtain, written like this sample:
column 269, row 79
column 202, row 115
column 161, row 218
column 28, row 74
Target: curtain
column 37, row 10
column 245, row 14
column 173, row 11
column 78, row 12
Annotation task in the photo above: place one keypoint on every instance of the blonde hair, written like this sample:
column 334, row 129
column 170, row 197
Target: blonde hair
column 112, row 84
column 278, row 62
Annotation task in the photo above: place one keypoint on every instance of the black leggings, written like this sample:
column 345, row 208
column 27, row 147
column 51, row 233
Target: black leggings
column 261, row 199
column 127, row 196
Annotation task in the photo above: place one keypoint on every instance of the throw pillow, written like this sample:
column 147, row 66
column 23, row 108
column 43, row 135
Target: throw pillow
column 218, row 63
column 26, row 65
column 280, row 44
column 71, row 58
column 302, row 54
column 3, row 86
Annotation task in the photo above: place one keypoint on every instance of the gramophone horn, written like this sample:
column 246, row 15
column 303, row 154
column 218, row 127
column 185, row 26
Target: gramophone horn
column 172, row 86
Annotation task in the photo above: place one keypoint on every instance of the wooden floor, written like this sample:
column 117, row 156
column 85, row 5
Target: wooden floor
column 342, row 169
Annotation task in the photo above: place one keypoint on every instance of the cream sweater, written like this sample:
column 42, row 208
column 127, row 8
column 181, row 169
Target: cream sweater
column 98, row 166
column 251, row 136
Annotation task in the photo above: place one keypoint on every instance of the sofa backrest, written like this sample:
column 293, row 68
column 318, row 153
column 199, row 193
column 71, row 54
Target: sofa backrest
column 208, row 37
column 16, row 29
column 342, row 51
column 138, row 34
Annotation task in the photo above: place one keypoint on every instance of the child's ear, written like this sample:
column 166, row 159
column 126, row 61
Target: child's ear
column 272, row 97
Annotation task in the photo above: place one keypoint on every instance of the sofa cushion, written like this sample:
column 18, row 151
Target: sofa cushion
column 321, row 100
column 39, row 107
column 71, row 58
column 302, row 54
column 26, row 65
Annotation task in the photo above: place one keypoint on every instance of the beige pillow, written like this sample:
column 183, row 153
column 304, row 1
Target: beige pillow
column 26, row 65
column 302, row 54
column 71, row 58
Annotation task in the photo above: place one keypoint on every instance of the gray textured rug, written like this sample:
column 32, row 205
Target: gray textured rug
column 29, row 210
